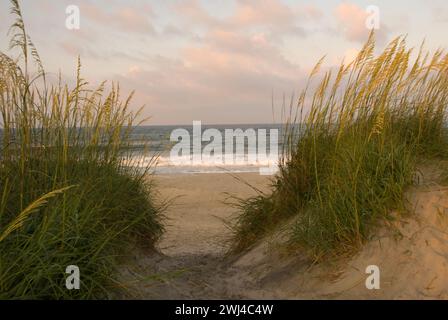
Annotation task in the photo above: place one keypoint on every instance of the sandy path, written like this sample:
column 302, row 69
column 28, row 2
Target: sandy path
column 196, row 220
column 191, row 262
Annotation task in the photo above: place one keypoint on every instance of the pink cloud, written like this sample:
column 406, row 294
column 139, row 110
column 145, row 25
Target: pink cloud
column 263, row 12
column 230, row 49
column 352, row 19
column 272, row 16
column 131, row 19
column 231, row 70
column 229, row 75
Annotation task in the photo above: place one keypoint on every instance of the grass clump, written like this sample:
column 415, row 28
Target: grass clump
column 351, row 149
column 69, row 192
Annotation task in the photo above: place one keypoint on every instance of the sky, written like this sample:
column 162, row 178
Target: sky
column 218, row 61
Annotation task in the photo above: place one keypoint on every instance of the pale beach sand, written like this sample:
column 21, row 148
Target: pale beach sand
column 191, row 262
column 412, row 256
column 196, row 219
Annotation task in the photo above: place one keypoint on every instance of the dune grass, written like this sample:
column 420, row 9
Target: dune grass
column 352, row 145
column 69, row 192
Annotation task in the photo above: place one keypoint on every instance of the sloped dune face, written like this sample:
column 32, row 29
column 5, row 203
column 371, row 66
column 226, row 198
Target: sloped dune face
column 411, row 255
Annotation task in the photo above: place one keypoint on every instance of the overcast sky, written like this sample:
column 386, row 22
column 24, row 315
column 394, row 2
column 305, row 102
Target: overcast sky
column 219, row 61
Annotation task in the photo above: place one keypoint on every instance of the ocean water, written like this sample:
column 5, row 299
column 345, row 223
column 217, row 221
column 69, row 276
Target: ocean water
column 153, row 143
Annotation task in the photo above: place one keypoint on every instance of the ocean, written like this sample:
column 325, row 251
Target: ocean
column 153, row 141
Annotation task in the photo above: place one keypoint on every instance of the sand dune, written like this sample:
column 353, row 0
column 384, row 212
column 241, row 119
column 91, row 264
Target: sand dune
column 412, row 258
column 412, row 253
